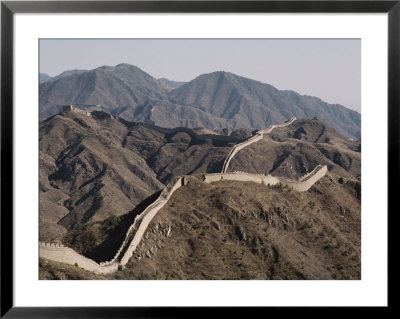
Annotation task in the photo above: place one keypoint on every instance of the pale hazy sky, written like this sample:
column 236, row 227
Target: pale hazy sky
column 327, row 68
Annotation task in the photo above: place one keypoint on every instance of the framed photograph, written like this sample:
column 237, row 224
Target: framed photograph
column 162, row 155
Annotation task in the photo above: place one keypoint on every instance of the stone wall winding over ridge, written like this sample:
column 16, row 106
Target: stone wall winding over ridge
column 151, row 211
column 136, row 231
column 132, row 239
column 308, row 180
column 269, row 130
column 251, row 140
column 67, row 255
column 238, row 147
column 301, row 185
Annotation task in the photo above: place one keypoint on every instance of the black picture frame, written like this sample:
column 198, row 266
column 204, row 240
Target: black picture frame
column 9, row 8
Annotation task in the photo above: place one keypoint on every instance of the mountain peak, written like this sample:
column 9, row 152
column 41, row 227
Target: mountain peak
column 216, row 73
column 104, row 68
column 118, row 67
column 123, row 65
column 127, row 66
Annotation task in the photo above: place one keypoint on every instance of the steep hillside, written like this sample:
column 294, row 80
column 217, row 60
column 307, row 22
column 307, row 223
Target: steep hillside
column 95, row 167
column 295, row 150
column 244, row 230
column 215, row 100
column 233, row 230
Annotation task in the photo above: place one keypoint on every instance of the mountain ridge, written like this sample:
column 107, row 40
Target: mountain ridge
column 214, row 100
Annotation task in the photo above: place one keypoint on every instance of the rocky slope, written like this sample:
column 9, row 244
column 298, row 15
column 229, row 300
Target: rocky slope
column 244, row 230
column 215, row 100
column 233, row 230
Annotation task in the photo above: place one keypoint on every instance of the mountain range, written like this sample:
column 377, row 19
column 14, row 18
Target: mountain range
column 99, row 166
column 215, row 100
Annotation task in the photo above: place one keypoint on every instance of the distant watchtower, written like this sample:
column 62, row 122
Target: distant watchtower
column 68, row 108
column 71, row 108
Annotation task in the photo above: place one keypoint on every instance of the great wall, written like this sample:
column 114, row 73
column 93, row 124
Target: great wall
column 136, row 231
column 69, row 256
column 258, row 136
column 301, row 185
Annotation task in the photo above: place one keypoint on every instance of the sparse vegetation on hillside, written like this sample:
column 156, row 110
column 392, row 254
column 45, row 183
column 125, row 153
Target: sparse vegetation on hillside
column 234, row 230
column 51, row 270
column 97, row 172
column 244, row 230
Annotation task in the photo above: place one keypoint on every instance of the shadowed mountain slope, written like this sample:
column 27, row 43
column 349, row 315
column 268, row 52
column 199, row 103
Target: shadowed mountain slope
column 86, row 172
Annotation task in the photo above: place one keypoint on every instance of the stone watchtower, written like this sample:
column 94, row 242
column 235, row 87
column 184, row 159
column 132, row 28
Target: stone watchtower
column 68, row 108
column 71, row 108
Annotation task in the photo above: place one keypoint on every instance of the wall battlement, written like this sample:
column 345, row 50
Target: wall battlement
column 43, row 244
